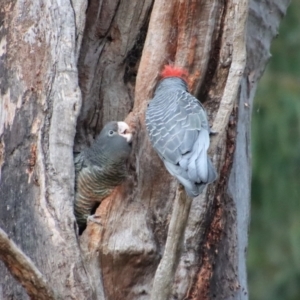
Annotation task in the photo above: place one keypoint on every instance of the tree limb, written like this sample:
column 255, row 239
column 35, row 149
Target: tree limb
column 166, row 269
column 235, row 75
column 24, row 270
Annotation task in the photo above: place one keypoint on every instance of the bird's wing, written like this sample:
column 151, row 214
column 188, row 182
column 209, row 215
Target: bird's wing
column 78, row 162
column 175, row 125
column 179, row 131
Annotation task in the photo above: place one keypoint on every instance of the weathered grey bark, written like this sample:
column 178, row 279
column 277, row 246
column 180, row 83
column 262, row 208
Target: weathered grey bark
column 125, row 44
column 23, row 269
column 40, row 102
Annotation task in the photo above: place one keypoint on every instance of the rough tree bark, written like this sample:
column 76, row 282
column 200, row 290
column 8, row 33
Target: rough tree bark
column 154, row 242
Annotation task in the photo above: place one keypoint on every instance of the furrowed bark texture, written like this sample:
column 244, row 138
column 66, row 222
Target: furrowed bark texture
column 40, row 102
column 224, row 45
column 113, row 40
column 23, row 269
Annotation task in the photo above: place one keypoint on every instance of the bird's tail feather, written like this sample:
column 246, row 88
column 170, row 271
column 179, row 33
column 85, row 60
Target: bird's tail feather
column 198, row 168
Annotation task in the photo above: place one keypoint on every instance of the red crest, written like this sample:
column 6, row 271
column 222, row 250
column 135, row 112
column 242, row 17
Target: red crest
column 171, row 71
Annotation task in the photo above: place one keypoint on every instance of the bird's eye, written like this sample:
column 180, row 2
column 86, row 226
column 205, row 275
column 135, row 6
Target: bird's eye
column 111, row 132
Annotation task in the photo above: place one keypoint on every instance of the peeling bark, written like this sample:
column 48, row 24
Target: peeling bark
column 58, row 71
column 24, row 270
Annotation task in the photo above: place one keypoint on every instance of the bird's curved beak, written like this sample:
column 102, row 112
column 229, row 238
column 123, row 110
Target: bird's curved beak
column 123, row 130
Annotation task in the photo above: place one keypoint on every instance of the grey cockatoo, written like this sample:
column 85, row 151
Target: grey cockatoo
column 179, row 131
column 100, row 168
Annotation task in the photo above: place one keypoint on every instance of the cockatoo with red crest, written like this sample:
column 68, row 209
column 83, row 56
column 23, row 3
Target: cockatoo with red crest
column 179, row 131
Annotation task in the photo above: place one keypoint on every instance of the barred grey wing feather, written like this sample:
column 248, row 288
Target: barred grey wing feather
column 174, row 127
column 188, row 138
column 78, row 163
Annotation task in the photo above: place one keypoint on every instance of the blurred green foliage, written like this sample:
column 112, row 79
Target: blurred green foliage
column 274, row 242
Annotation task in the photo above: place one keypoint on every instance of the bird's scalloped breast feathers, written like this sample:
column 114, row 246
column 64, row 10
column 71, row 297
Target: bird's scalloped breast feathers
column 171, row 71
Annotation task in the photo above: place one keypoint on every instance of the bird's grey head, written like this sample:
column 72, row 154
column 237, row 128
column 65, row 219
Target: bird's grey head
column 171, row 83
column 113, row 142
column 115, row 129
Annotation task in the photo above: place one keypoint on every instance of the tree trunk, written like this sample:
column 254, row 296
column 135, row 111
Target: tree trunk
column 153, row 241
